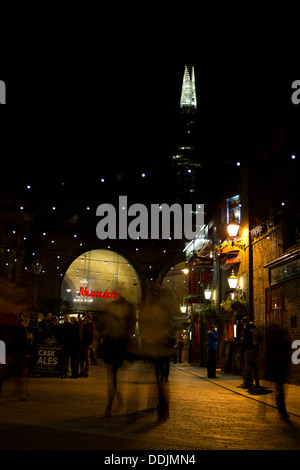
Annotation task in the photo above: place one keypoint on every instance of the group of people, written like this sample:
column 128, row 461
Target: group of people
column 77, row 338
column 276, row 354
column 249, row 344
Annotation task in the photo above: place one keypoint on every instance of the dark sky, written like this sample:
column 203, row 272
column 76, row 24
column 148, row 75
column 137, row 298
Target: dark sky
column 118, row 113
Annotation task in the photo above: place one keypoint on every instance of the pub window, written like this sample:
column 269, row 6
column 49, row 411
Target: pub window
column 275, row 305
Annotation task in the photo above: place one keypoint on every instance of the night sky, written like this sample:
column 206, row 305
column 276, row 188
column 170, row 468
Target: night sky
column 118, row 115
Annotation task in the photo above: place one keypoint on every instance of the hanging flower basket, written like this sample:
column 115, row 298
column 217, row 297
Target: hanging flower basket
column 209, row 312
column 233, row 307
column 239, row 306
column 191, row 299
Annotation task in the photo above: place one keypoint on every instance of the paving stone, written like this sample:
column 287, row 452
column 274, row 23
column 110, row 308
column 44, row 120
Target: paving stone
column 204, row 414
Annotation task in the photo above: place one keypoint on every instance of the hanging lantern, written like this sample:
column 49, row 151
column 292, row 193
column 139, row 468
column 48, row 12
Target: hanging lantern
column 233, row 280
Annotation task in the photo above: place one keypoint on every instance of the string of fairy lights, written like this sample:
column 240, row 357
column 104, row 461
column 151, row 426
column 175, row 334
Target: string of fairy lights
column 12, row 256
column 11, row 252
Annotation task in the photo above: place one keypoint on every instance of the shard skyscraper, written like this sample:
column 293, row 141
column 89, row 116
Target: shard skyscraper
column 185, row 159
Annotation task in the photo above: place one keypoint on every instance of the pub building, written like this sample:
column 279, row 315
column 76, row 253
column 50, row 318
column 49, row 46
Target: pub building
column 256, row 267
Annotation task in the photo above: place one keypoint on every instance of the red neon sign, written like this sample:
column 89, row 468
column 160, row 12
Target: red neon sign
column 96, row 293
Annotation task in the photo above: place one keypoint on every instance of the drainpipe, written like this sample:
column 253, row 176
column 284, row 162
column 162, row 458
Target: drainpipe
column 251, row 312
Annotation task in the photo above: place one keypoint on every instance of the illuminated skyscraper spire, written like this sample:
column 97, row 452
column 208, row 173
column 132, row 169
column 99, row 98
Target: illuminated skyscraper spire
column 185, row 158
column 188, row 100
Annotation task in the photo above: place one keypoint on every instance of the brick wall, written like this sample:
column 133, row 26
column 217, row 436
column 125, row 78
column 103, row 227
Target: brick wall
column 292, row 321
column 267, row 248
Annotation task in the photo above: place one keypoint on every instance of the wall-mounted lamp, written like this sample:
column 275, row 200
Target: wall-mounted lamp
column 233, row 229
column 183, row 309
column 233, row 280
column 185, row 271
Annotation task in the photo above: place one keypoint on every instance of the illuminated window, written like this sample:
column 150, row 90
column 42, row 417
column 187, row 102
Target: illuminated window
column 275, row 304
column 233, row 208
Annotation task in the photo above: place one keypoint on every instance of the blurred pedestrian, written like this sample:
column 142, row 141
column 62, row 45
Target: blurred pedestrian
column 9, row 292
column 180, row 347
column 277, row 361
column 164, row 368
column 250, row 343
column 74, row 347
column 212, row 346
column 155, row 324
column 20, row 364
column 118, row 330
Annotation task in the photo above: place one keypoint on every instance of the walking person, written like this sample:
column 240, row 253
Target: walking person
column 212, row 346
column 250, row 342
column 277, row 360
column 21, row 359
column 155, row 321
column 164, row 368
column 118, row 328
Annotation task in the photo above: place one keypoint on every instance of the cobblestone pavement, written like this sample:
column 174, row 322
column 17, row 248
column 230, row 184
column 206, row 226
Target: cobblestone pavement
column 204, row 414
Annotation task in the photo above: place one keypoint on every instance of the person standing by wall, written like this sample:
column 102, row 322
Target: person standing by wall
column 64, row 334
column 88, row 339
column 74, row 344
column 212, row 346
column 250, row 343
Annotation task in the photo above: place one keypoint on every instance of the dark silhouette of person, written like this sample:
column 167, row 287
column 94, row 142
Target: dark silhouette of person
column 64, row 337
column 74, row 347
column 212, row 346
column 118, row 330
column 250, row 342
column 88, row 339
column 155, row 325
column 277, row 360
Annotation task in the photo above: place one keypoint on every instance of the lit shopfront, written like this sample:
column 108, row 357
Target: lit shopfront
column 98, row 277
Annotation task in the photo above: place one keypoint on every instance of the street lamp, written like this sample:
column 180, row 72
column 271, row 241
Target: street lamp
column 233, row 280
column 207, row 293
column 233, row 229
